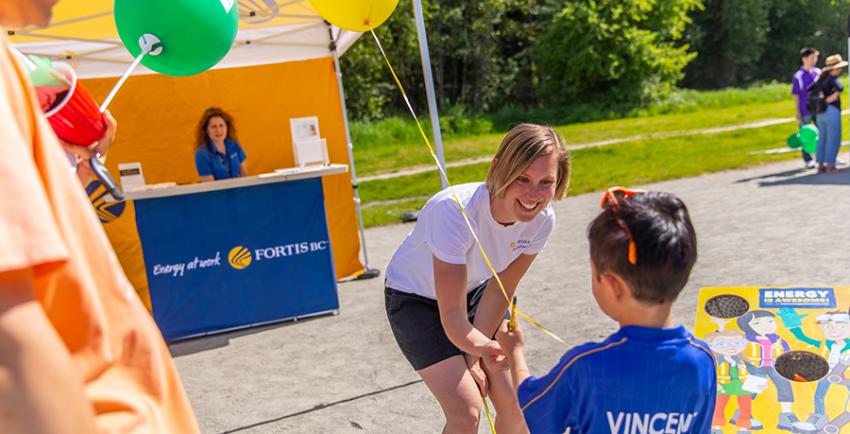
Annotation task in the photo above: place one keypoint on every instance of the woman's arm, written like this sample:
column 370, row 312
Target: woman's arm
column 493, row 304
column 830, row 99
column 450, row 285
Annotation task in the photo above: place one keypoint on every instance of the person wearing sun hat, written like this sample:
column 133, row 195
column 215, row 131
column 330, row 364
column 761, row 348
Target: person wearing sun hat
column 829, row 122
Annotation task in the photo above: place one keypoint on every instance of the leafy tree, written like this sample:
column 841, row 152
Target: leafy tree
column 730, row 38
column 740, row 42
column 369, row 89
column 482, row 57
column 619, row 50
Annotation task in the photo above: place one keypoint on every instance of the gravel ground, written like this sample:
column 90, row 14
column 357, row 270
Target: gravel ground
column 768, row 225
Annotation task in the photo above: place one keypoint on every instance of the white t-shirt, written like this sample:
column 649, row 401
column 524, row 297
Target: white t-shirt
column 441, row 231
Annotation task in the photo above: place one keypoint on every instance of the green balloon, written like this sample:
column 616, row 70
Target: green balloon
column 794, row 141
column 809, row 138
column 194, row 34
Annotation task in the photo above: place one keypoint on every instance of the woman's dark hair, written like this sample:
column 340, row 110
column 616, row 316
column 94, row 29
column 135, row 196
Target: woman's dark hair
column 744, row 320
column 201, row 133
column 664, row 238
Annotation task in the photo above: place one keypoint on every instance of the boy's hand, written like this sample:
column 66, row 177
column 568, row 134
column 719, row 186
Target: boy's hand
column 473, row 364
column 510, row 341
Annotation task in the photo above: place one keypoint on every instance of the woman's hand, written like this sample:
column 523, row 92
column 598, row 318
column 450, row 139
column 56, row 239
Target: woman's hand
column 492, row 354
column 831, row 99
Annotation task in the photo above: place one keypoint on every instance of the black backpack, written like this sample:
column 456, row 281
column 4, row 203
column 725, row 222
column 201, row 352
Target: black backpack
column 815, row 99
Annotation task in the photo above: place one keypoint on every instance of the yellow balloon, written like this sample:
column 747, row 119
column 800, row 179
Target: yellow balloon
column 355, row 15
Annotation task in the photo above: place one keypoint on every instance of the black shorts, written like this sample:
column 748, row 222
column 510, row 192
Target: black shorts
column 415, row 322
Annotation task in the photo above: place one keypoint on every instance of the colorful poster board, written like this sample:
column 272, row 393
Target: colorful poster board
column 781, row 355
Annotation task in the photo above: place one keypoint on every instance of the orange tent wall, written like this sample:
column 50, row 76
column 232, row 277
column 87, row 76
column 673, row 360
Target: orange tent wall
column 158, row 116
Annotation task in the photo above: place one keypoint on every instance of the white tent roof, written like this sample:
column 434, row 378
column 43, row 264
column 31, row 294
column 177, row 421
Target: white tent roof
column 270, row 31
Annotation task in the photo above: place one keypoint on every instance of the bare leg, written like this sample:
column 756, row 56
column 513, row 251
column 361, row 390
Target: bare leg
column 451, row 383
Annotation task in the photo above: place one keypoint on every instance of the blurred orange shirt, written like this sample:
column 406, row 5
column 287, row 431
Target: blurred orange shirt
column 47, row 224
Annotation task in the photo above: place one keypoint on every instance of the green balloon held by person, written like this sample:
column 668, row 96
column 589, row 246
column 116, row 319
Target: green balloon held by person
column 189, row 36
column 809, row 138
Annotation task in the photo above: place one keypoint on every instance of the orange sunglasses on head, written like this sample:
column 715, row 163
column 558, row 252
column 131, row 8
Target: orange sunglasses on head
column 610, row 200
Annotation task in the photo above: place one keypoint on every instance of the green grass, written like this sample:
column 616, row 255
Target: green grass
column 393, row 156
column 630, row 163
column 395, row 143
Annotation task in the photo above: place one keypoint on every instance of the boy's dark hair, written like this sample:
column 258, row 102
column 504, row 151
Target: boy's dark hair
column 807, row 51
column 744, row 320
column 664, row 238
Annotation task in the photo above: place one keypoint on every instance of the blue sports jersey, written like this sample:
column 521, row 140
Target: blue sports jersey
column 639, row 380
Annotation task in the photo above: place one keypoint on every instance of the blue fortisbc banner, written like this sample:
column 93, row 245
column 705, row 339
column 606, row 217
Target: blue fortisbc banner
column 808, row 298
column 236, row 257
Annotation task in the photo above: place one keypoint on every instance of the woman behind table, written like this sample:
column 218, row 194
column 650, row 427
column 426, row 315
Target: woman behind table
column 218, row 154
column 441, row 302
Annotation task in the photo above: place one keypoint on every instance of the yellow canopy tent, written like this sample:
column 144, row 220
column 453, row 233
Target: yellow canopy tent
column 283, row 64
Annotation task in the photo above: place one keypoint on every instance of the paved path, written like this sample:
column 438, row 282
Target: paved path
column 768, row 225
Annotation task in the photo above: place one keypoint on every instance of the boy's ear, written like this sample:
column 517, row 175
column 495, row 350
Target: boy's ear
column 618, row 287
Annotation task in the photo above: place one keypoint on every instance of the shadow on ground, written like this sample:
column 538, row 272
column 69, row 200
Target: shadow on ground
column 323, row 406
column 190, row 346
column 800, row 177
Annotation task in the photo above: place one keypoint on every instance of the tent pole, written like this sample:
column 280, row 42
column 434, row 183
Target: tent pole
column 429, row 88
column 368, row 273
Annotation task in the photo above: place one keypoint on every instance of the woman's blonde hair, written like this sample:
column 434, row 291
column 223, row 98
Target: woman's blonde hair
column 522, row 145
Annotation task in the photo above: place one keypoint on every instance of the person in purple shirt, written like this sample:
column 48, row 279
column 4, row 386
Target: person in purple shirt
column 800, row 83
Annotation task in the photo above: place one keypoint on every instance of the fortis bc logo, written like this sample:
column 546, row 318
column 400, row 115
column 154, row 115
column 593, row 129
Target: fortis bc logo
column 239, row 257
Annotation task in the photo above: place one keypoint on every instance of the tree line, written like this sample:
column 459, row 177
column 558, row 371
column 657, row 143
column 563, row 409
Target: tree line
column 488, row 55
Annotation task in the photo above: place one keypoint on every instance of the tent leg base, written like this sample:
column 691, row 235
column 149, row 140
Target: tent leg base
column 369, row 273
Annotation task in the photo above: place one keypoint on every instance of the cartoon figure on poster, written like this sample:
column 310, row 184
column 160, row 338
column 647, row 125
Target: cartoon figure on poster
column 733, row 379
column 763, row 348
column 835, row 348
column 785, row 346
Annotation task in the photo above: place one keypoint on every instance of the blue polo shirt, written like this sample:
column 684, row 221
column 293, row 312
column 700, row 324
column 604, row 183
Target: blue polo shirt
column 209, row 161
column 639, row 380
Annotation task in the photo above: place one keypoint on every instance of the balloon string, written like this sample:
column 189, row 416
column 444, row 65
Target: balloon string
column 489, row 416
column 513, row 308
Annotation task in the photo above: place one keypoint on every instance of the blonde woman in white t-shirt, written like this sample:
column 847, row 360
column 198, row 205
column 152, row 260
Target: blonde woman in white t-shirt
column 441, row 302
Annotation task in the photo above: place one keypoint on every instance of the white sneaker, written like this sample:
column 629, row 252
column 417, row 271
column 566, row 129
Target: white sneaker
column 840, row 162
column 810, row 164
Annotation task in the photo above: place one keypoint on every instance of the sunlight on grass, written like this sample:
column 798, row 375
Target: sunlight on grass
column 630, row 163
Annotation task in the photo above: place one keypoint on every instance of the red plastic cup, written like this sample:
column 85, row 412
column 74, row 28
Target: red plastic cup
column 77, row 118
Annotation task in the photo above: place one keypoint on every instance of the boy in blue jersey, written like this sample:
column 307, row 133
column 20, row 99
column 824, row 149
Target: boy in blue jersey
column 648, row 377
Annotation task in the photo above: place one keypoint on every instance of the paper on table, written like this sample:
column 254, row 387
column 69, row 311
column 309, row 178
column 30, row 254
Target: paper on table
column 311, row 152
